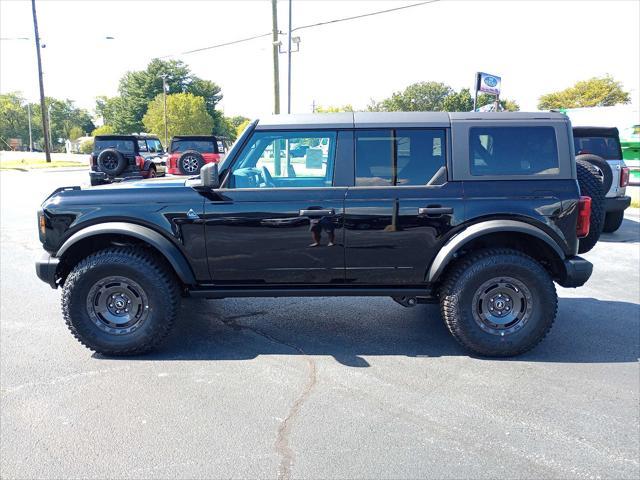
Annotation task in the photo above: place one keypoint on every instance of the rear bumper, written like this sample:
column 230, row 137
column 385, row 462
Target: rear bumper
column 46, row 268
column 615, row 204
column 577, row 272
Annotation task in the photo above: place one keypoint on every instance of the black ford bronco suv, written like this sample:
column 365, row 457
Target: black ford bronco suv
column 479, row 212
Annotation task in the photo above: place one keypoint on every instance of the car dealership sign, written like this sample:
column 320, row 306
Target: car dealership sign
column 488, row 83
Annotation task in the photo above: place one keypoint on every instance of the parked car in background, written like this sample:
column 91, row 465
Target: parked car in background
column 119, row 157
column 189, row 153
column 630, row 143
column 600, row 147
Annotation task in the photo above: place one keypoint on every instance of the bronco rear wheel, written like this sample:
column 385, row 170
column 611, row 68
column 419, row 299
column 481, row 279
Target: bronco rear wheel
column 120, row 301
column 498, row 302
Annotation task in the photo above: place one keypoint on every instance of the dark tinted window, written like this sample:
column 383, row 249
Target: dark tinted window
column 119, row 144
column 513, row 151
column 605, row 147
column 400, row 157
column 202, row 146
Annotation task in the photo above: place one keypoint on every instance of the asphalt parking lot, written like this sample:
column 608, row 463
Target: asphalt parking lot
column 315, row 388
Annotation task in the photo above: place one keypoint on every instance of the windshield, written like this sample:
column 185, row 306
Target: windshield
column 120, row 144
column 605, row 147
column 202, row 146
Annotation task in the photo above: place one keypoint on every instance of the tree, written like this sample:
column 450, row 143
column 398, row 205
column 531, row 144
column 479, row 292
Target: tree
column 75, row 133
column 103, row 130
column 334, row 109
column 186, row 115
column 14, row 122
column 137, row 88
column 421, row 96
column 594, row 92
column 462, row 101
column 240, row 128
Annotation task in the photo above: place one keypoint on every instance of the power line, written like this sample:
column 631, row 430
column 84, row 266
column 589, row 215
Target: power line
column 355, row 17
column 337, row 20
column 210, row 47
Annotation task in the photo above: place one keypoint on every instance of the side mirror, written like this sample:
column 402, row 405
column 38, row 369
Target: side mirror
column 209, row 176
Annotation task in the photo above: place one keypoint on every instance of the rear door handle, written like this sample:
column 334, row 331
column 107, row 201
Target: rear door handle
column 317, row 213
column 434, row 211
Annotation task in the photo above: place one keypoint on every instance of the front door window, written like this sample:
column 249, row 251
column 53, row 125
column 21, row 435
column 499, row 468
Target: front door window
column 293, row 159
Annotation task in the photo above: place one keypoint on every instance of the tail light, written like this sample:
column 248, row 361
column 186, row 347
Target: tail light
column 584, row 217
column 624, row 176
column 140, row 162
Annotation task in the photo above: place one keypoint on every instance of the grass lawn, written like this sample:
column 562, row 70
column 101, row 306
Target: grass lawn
column 29, row 164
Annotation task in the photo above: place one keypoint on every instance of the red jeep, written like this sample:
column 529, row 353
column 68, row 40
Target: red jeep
column 188, row 153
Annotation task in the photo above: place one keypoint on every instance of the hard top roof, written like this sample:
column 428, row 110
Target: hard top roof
column 596, row 131
column 124, row 137
column 393, row 119
column 195, row 137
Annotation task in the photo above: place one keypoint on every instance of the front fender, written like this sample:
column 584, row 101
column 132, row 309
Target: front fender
column 448, row 251
column 173, row 255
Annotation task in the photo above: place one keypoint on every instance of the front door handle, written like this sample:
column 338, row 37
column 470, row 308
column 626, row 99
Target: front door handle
column 317, row 213
column 435, row 211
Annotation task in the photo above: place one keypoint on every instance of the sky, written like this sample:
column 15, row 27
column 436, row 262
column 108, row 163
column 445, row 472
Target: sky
column 535, row 46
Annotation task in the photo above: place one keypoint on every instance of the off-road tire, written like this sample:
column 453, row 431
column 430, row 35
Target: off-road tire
column 612, row 221
column 153, row 173
column 592, row 187
column 196, row 162
column 111, row 161
column 602, row 166
column 460, row 287
column 139, row 266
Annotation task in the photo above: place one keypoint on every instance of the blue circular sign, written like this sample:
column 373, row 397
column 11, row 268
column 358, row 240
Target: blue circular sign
column 491, row 81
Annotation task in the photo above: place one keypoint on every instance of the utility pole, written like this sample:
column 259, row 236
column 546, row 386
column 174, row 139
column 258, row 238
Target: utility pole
column 276, row 65
column 164, row 96
column 45, row 119
column 30, row 135
column 289, row 61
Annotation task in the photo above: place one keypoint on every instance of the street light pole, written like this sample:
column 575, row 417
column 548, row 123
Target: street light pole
column 45, row 119
column 164, row 96
column 276, row 61
column 289, row 61
column 49, row 124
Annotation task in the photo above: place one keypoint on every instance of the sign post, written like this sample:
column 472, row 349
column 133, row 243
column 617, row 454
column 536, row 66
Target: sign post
column 490, row 84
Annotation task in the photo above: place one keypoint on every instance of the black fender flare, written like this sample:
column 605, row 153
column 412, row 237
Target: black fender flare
column 173, row 255
column 449, row 249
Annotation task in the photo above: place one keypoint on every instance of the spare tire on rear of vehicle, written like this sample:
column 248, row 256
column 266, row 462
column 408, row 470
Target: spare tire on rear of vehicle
column 591, row 186
column 190, row 162
column 111, row 161
column 604, row 170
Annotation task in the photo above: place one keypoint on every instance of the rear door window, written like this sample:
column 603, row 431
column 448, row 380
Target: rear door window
column 400, row 157
column 605, row 147
column 142, row 146
column 122, row 145
column 202, row 146
column 513, row 151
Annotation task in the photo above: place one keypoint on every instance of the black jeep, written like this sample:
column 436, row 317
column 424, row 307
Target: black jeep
column 479, row 212
column 119, row 157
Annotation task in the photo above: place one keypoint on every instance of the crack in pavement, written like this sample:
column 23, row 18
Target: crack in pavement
column 282, row 444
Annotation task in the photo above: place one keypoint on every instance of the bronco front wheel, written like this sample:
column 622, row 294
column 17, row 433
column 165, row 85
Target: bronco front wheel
column 498, row 302
column 120, row 301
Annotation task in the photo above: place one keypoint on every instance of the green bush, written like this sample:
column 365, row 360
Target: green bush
column 86, row 146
